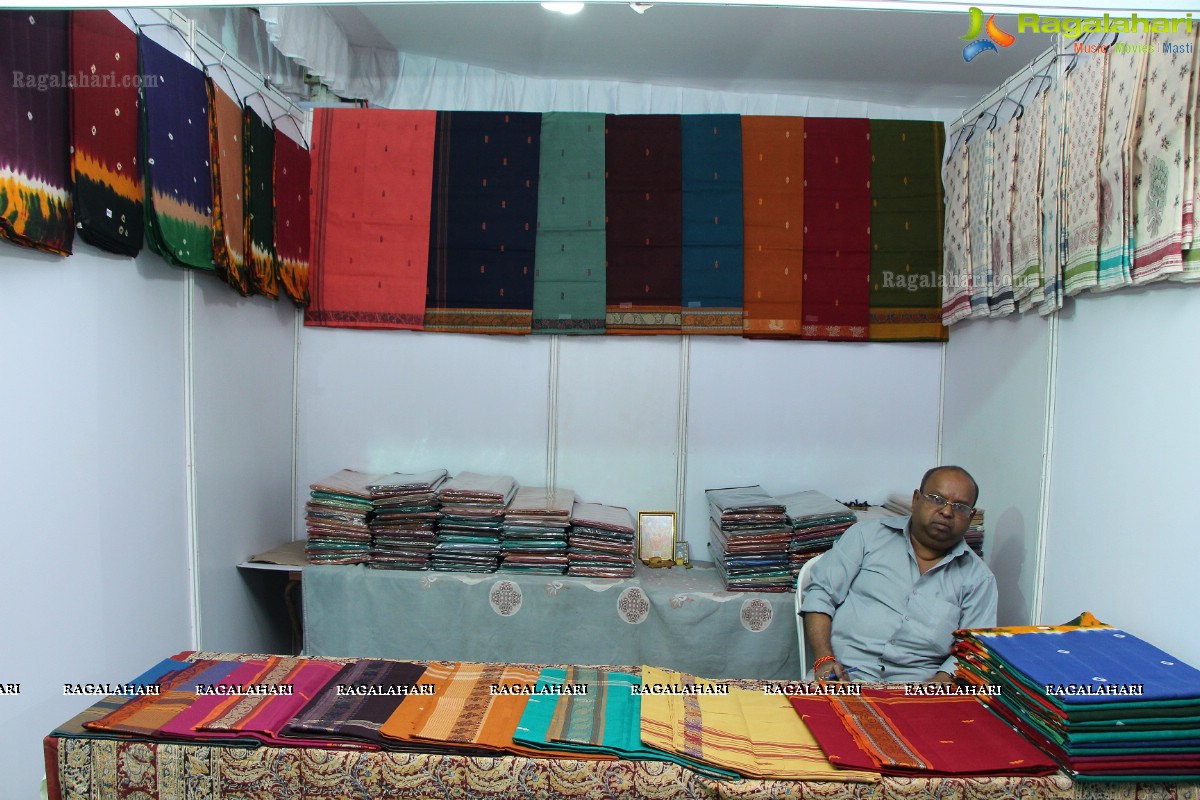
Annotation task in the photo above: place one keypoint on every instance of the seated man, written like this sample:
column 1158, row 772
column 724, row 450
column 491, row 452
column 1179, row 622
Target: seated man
column 885, row 600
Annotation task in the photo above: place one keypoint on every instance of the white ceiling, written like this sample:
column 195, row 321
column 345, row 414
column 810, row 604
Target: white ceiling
column 902, row 58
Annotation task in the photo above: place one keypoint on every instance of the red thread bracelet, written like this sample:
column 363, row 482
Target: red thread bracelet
column 821, row 661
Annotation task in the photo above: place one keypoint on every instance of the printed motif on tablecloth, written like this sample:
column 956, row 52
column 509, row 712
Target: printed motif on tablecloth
column 756, row 614
column 505, row 598
column 633, row 606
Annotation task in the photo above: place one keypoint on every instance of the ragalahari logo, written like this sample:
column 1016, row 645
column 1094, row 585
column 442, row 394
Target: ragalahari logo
column 995, row 36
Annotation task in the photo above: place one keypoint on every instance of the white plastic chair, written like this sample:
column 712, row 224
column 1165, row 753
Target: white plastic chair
column 802, row 581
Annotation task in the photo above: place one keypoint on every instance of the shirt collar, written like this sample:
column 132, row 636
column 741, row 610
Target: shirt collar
column 900, row 525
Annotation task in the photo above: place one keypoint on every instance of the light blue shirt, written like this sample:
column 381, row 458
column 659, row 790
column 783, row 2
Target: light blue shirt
column 890, row 621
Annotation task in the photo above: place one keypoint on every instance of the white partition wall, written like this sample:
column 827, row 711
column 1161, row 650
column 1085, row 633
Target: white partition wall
column 94, row 578
column 409, row 401
column 993, row 424
column 855, row 421
column 618, row 420
column 642, row 422
column 1122, row 539
column 242, row 360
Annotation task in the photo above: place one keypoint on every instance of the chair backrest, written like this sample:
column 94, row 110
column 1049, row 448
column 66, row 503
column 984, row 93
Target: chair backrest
column 802, row 581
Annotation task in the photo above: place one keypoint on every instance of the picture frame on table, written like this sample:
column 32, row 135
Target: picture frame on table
column 656, row 535
column 683, row 555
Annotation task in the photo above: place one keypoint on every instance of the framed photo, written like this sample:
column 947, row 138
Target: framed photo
column 682, row 554
column 656, row 535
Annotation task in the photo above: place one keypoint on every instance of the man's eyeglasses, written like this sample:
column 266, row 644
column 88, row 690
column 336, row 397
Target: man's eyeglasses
column 958, row 508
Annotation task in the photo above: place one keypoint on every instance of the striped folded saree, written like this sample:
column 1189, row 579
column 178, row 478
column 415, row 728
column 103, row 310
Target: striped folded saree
column 604, row 718
column 477, row 706
column 356, row 702
column 752, row 733
column 896, row 734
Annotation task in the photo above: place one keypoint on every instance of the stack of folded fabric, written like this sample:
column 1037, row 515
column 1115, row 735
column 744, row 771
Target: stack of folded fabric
column 750, row 536
column 337, row 517
column 901, row 504
column 1104, row 703
column 817, row 522
column 535, row 531
column 404, row 519
column 601, row 541
column 468, row 536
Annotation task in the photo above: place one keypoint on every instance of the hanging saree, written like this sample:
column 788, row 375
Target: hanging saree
column 712, row 224
column 981, row 165
column 104, row 133
column 372, row 175
column 482, row 239
column 177, row 158
column 906, row 230
column 1027, row 206
column 291, row 172
column 225, row 142
column 1004, row 165
column 258, row 165
column 1158, row 165
column 644, row 200
column 35, row 171
column 956, row 243
column 568, row 283
column 1126, row 71
column 1086, row 88
column 837, row 229
column 773, row 222
column 1053, row 168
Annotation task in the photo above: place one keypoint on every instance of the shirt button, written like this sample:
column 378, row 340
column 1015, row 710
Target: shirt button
column 906, row 619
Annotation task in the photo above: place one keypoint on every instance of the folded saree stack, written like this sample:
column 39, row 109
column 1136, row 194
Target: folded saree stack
column 749, row 536
column 404, row 516
column 817, row 522
column 337, row 517
column 535, row 531
column 472, row 521
column 601, row 541
column 1105, row 704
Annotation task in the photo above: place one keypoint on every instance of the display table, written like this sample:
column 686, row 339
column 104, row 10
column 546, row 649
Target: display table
column 84, row 766
column 681, row 619
column 105, row 769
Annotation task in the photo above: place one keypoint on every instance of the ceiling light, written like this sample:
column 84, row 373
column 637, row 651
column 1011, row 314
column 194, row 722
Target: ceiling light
column 562, row 7
column 641, row 7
